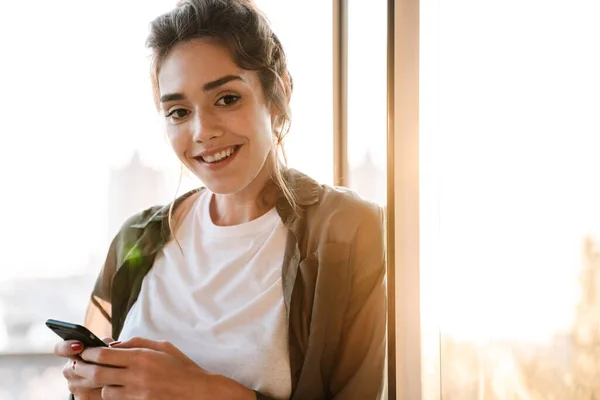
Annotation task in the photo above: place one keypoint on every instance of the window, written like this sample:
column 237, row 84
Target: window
column 510, row 204
column 84, row 149
column 367, row 84
column 309, row 146
column 366, row 112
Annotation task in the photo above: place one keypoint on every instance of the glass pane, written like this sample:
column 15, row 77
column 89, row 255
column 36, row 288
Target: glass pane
column 367, row 102
column 367, row 86
column 85, row 148
column 309, row 146
column 510, row 159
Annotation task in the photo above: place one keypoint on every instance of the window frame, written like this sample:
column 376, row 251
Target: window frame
column 340, row 92
column 403, row 222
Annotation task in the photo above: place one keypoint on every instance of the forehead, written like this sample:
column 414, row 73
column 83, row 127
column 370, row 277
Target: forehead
column 190, row 65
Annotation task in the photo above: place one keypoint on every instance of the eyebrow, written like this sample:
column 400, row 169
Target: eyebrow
column 220, row 82
column 171, row 97
column 207, row 87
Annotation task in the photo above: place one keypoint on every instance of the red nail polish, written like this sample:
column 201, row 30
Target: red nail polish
column 73, row 365
column 111, row 344
column 76, row 346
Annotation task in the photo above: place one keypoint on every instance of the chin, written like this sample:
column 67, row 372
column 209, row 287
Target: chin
column 228, row 186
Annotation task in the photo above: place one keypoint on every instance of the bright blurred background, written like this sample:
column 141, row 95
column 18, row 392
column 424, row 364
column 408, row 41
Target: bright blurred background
column 509, row 159
column 510, row 199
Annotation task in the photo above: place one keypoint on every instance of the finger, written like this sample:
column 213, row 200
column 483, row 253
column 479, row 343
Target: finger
column 75, row 382
column 145, row 343
column 96, row 376
column 69, row 371
column 140, row 343
column 106, row 356
column 113, row 393
column 68, row 348
column 108, row 340
column 156, row 345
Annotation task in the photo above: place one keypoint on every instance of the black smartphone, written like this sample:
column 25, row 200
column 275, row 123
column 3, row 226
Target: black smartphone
column 69, row 331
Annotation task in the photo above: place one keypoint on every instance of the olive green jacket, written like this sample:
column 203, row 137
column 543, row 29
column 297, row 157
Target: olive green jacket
column 333, row 277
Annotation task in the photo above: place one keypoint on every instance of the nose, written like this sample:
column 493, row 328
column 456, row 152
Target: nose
column 204, row 128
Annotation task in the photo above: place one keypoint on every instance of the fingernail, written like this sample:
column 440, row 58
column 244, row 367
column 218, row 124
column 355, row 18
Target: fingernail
column 111, row 344
column 76, row 346
column 73, row 365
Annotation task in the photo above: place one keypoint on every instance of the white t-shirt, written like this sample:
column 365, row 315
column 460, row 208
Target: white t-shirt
column 221, row 301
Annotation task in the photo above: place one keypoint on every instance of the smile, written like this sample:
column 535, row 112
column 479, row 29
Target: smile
column 219, row 155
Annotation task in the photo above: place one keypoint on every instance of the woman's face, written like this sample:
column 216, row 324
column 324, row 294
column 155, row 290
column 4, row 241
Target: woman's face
column 218, row 120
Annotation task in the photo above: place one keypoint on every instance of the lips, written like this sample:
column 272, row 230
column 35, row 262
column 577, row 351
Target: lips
column 217, row 156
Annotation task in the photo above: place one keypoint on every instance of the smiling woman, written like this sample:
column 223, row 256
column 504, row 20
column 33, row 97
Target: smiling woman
column 212, row 106
column 261, row 284
column 99, row 153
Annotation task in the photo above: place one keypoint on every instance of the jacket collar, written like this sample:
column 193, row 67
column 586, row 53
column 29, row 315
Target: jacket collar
column 305, row 188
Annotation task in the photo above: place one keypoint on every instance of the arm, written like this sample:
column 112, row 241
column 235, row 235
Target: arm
column 360, row 364
column 98, row 317
column 98, row 314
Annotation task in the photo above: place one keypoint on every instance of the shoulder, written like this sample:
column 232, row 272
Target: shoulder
column 354, row 227
column 344, row 216
column 339, row 218
column 347, row 203
column 332, row 204
column 153, row 222
column 160, row 213
column 141, row 218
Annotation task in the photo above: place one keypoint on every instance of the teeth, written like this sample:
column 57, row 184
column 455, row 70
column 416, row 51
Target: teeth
column 219, row 155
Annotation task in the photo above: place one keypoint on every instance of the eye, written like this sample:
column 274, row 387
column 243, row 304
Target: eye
column 228, row 100
column 177, row 114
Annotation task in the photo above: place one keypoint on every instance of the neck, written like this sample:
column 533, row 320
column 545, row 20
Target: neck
column 251, row 202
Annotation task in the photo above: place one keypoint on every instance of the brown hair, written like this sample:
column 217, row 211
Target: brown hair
column 244, row 30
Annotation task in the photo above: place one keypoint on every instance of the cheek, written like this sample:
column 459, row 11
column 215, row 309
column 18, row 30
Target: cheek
column 264, row 143
column 264, row 131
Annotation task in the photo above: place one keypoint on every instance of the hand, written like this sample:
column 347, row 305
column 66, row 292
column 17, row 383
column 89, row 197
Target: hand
column 151, row 370
column 82, row 388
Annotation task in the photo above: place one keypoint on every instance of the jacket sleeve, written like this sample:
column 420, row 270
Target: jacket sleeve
column 260, row 396
column 98, row 315
column 360, row 367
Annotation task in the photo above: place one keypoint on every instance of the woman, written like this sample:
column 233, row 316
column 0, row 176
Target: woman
column 263, row 284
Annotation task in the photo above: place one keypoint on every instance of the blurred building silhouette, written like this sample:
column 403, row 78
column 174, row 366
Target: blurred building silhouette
column 131, row 189
column 28, row 370
column 369, row 180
